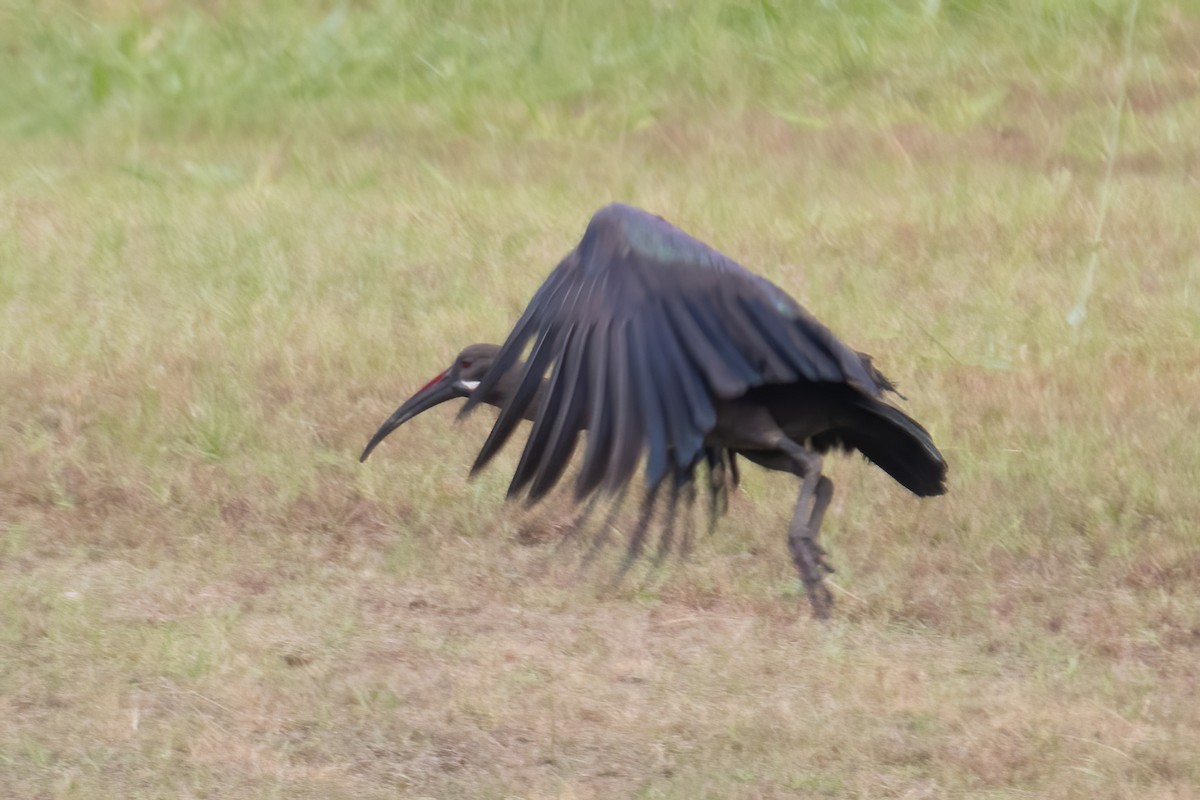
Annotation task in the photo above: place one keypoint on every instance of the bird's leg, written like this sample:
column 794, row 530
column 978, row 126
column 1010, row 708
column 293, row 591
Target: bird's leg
column 821, row 499
column 718, row 497
column 679, row 485
column 723, row 480
column 750, row 430
column 809, row 557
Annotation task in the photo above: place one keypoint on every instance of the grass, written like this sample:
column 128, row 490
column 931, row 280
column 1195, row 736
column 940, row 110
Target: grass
column 234, row 236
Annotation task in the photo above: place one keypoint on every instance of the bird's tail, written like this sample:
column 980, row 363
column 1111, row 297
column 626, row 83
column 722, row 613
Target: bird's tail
column 897, row 444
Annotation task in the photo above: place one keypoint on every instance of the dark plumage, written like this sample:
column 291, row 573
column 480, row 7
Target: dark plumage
column 659, row 346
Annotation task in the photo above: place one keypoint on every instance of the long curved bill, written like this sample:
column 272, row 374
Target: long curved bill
column 437, row 391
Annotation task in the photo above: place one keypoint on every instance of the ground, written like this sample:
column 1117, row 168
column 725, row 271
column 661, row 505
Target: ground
column 233, row 237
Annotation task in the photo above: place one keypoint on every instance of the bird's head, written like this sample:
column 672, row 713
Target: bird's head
column 459, row 380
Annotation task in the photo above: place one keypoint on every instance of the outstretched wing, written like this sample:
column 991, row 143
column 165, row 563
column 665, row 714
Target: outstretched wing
column 640, row 327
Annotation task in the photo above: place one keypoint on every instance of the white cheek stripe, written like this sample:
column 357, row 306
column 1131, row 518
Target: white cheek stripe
column 468, row 385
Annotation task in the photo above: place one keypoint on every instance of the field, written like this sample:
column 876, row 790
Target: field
column 233, row 237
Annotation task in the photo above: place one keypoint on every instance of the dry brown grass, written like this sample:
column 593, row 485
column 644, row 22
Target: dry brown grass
column 202, row 594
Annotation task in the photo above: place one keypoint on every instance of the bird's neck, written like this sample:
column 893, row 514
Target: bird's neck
column 506, row 387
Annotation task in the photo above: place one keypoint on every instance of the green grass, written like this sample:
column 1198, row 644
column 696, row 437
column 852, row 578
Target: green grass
column 234, row 236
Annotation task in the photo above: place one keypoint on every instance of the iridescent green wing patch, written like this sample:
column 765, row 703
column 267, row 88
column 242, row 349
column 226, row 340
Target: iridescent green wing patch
column 655, row 238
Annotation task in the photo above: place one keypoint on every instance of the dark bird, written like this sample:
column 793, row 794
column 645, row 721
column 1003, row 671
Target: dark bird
column 662, row 348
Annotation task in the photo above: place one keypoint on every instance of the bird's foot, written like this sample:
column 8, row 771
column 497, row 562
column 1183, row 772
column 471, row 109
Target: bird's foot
column 812, row 562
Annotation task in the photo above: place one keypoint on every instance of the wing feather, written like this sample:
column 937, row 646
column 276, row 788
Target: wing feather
column 513, row 411
column 679, row 390
column 704, row 314
column 655, row 417
column 543, row 422
column 807, row 357
column 756, row 348
column 529, row 325
column 628, row 423
column 560, row 443
column 600, row 414
column 725, row 376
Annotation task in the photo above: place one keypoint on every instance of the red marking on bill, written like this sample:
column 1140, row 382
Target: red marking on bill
column 436, row 378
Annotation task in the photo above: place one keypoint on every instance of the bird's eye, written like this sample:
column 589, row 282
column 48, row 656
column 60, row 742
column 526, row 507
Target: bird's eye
column 464, row 363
